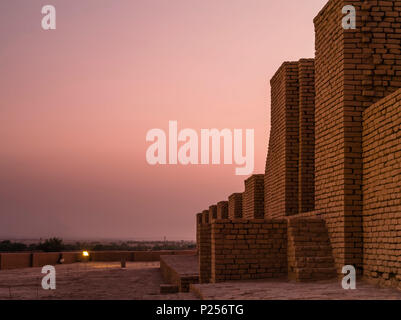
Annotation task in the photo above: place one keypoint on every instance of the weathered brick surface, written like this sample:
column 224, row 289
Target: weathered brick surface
column 329, row 124
column 289, row 176
column 248, row 249
column 281, row 175
column 253, row 197
column 235, row 206
column 382, row 191
column 309, row 251
column 205, row 217
column 212, row 213
column 198, row 224
column 353, row 69
column 222, row 210
column 306, row 164
column 205, row 253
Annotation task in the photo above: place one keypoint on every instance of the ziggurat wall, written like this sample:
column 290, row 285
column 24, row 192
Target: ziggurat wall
column 331, row 192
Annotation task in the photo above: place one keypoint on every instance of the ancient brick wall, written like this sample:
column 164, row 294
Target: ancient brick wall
column 281, row 175
column 248, row 249
column 381, row 190
column 235, row 206
column 222, row 210
column 253, row 197
column 306, row 164
column 351, row 181
column 329, row 123
column 353, row 69
column 205, row 253
column 198, row 224
column 204, row 248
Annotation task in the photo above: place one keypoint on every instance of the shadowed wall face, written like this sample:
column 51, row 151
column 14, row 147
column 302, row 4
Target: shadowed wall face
column 199, row 221
column 222, row 210
column 306, row 163
column 281, row 173
column 235, row 206
column 253, row 197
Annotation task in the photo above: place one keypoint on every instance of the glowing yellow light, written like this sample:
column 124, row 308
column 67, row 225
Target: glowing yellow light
column 85, row 254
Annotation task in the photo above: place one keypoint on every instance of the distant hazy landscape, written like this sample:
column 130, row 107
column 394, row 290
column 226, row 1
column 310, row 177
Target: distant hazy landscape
column 57, row 244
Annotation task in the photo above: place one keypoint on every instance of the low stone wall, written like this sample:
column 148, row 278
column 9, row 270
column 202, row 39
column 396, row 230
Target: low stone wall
column 111, row 255
column 46, row 258
column 39, row 259
column 15, row 260
column 155, row 255
column 70, row 257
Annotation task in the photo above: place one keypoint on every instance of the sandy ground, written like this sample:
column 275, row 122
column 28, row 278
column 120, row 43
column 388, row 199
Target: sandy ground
column 92, row 280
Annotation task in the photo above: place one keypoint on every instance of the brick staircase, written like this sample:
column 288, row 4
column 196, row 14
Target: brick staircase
column 309, row 251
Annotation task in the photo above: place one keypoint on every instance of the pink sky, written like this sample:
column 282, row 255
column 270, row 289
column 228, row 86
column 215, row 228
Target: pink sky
column 76, row 103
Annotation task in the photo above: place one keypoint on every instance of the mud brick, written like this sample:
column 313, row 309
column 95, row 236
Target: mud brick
column 222, row 210
column 212, row 213
column 281, row 173
column 332, row 168
column 235, row 206
column 205, row 216
column 253, row 197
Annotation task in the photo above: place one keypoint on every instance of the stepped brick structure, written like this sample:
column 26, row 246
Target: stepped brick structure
column 331, row 192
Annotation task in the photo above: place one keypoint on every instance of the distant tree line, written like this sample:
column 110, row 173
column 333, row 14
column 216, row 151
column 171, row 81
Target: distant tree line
column 57, row 245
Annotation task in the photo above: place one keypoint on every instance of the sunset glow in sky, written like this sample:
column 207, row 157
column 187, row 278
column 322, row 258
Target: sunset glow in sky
column 76, row 104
